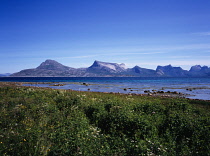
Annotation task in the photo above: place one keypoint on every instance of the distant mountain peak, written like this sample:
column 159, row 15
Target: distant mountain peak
column 107, row 65
column 195, row 68
column 171, row 71
column 96, row 63
column 51, row 65
column 49, row 61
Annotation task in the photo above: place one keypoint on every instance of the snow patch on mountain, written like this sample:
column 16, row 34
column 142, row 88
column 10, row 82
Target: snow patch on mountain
column 111, row 66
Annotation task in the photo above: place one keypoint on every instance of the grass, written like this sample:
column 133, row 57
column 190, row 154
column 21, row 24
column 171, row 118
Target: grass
column 38, row 121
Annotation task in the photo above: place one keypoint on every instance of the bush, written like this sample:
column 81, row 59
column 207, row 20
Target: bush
column 37, row 121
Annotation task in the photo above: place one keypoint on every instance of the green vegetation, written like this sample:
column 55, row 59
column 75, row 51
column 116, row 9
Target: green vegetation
column 37, row 121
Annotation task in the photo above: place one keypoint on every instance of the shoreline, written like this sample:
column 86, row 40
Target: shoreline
column 146, row 94
column 90, row 121
column 169, row 92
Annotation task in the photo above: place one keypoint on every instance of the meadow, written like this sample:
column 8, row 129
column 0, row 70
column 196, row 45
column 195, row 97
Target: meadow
column 41, row 121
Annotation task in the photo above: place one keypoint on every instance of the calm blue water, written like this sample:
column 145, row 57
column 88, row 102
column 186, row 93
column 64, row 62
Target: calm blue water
column 201, row 86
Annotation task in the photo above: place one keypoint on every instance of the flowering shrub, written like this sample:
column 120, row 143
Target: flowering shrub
column 37, row 121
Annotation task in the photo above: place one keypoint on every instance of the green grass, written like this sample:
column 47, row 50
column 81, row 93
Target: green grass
column 37, row 121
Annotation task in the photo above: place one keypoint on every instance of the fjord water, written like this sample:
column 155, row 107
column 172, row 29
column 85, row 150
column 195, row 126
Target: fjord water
column 195, row 88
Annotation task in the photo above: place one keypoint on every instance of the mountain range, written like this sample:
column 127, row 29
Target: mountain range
column 5, row 74
column 51, row 68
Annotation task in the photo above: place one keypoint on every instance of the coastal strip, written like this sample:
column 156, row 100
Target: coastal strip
column 149, row 93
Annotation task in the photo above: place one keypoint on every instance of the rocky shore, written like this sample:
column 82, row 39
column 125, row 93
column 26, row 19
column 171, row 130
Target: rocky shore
column 125, row 91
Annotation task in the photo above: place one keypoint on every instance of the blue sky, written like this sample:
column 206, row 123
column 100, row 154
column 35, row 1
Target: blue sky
column 146, row 33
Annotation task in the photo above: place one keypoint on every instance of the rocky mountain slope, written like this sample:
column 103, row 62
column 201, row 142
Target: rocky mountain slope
column 50, row 68
column 199, row 71
column 105, row 69
column 171, row 71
